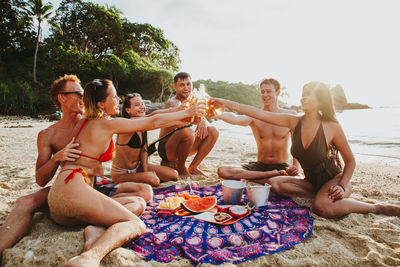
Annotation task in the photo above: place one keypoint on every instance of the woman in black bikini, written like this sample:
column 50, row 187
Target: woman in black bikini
column 131, row 159
column 317, row 139
column 73, row 200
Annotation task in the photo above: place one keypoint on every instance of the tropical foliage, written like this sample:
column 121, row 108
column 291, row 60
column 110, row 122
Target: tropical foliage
column 42, row 12
column 88, row 40
column 239, row 92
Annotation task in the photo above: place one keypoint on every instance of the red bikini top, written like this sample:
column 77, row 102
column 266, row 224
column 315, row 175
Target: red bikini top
column 108, row 155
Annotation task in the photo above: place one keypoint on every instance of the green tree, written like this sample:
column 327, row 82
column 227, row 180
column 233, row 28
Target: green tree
column 42, row 12
column 114, row 68
column 166, row 80
column 238, row 92
column 101, row 31
column 15, row 32
column 149, row 42
column 88, row 27
column 144, row 78
column 84, row 65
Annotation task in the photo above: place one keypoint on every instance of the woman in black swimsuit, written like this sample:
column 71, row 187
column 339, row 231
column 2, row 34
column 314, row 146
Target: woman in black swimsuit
column 131, row 159
column 317, row 139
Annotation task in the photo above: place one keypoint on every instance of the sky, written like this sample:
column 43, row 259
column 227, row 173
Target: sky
column 354, row 43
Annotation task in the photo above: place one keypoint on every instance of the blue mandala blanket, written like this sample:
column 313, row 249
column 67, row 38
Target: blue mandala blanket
column 267, row 230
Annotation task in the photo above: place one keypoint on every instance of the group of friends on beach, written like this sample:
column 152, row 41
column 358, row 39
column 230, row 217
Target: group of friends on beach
column 83, row 138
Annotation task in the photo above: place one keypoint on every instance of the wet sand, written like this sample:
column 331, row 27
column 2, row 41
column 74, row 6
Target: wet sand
column 354, row 240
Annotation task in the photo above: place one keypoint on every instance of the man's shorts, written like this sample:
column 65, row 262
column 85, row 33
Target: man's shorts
column 105, row 186
column 162, row 151
column 164, row 159
column 262, row 167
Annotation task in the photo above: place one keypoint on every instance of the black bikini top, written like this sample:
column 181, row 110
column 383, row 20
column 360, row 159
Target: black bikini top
column 135, row 141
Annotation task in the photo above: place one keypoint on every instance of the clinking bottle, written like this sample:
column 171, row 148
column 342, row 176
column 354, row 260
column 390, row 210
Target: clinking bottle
column 199, row 95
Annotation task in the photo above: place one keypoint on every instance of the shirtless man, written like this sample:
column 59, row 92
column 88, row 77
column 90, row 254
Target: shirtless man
column 185, row 142
column 272, row 141
column 55, row 146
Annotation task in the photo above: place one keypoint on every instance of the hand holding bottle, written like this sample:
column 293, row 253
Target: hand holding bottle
column 197, row 110
column 200, row 96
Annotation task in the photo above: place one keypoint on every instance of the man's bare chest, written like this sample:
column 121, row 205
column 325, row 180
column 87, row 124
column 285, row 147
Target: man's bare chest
column 268, row 131
column 59, row 138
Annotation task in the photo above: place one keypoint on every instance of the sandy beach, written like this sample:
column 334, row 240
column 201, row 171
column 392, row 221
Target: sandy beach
column 355, row 240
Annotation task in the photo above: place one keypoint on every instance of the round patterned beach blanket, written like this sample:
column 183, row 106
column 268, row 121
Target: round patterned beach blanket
column 268, row 229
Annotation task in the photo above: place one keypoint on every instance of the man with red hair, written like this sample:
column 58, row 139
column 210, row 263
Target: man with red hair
column 54, row 147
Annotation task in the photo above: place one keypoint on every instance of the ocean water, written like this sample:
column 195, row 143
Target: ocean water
column 373, row 134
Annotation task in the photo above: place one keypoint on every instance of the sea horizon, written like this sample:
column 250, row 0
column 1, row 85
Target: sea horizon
column 372, row 133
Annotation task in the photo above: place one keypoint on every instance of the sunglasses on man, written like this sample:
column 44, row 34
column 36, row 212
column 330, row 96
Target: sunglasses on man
column 78, row 93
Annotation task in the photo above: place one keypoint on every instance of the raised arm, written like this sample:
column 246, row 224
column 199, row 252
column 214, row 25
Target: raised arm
column 121, row 125
column 169, row 110
column 232, row 118
column 46, row 162
column 279, row 119
column 166, row 110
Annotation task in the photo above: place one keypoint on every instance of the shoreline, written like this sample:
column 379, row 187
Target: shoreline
column 356, row 239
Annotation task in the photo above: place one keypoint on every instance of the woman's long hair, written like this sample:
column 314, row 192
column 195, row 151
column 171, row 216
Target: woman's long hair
column 324, row 96
column 127, row 104
column 327, row 111
column 95, row 91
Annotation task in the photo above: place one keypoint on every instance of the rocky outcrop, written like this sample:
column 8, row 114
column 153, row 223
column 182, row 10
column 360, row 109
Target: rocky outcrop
column 340, row 99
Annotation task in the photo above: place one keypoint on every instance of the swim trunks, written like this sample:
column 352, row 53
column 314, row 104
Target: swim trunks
column 171, row 164
column 263, row 167
column 164, row 159
column 162, row 151
column 105, row 186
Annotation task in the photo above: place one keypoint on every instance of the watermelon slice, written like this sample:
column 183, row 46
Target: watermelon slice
column 198, row 205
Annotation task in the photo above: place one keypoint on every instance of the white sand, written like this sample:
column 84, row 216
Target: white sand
column 355, row 240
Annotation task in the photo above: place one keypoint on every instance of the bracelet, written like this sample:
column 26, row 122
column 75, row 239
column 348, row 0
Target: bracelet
column 344, row 190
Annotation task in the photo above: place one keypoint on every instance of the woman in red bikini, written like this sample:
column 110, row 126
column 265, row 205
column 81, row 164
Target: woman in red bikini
column 317, row 139
column 131, row 158
column 73, row 200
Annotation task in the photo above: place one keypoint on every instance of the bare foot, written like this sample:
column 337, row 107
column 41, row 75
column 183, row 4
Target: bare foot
column 184, row 174
column 196, row 171
column 82, row 260
column 92, row 233
column 390, row 210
